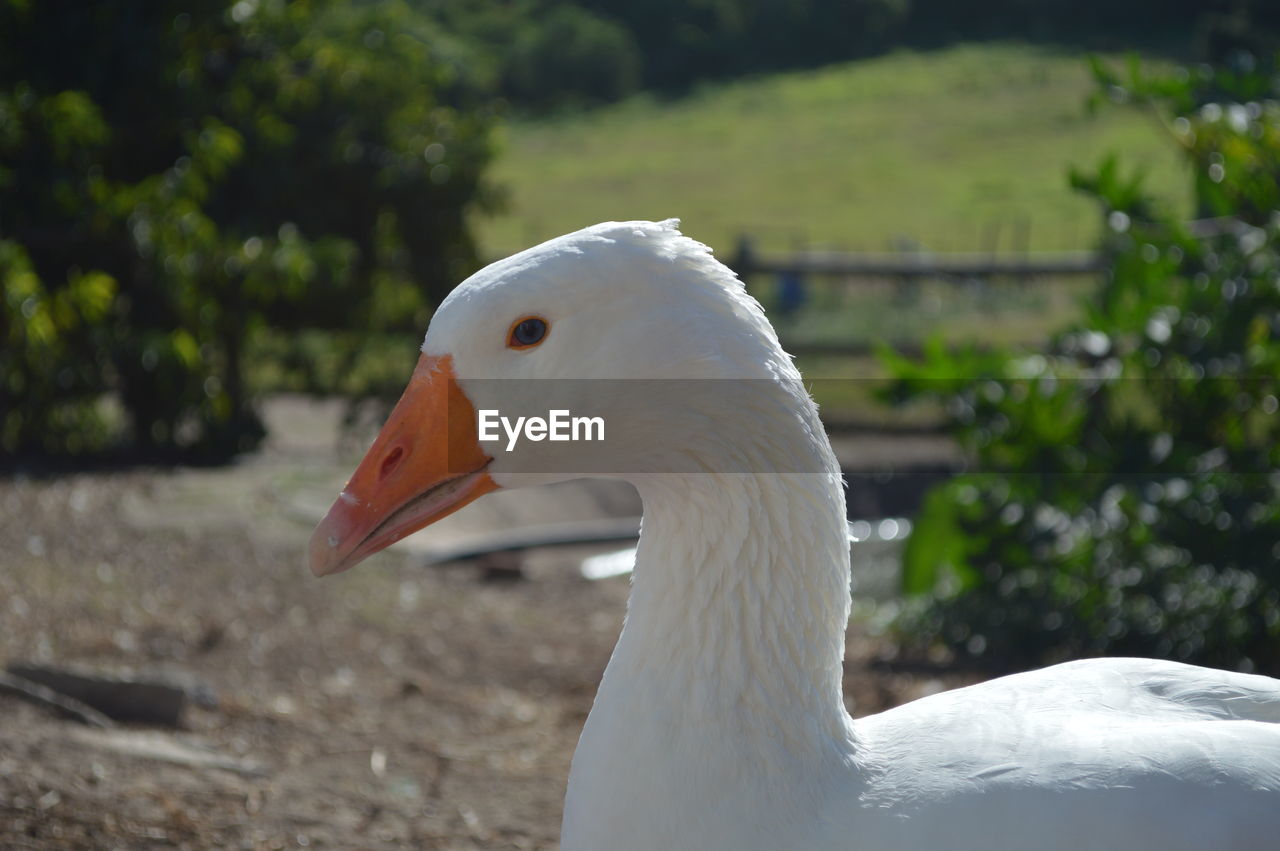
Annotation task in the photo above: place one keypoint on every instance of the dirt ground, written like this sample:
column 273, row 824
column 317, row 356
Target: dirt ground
column 393, row 706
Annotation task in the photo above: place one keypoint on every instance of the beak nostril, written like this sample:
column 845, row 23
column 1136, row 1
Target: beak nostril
column 389, row 464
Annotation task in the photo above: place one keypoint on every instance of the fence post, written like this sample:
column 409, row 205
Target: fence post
column 744, row 257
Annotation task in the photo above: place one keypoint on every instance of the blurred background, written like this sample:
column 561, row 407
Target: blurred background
column 1026, row 252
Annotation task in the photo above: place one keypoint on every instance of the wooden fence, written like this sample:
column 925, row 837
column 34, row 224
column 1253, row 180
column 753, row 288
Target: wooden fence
column 835, row 268
column 748, row 262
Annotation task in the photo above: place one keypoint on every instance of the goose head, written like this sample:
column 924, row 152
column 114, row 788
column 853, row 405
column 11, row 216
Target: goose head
column 629, row 323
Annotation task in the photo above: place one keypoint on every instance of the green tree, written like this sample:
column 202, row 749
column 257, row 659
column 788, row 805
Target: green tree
column 177, row 177
column 1128, row 493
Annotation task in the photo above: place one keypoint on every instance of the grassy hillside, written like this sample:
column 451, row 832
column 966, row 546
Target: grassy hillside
column 956, row 149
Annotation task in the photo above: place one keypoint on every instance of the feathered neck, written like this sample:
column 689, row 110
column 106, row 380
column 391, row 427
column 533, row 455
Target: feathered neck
column 728, row 668
column 739, row 604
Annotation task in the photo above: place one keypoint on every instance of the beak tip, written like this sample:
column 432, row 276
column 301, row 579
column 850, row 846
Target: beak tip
column 322, row 553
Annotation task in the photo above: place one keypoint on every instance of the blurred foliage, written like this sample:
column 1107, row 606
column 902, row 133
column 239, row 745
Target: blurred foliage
column 555, row 54
column 178, row 176
column 540, row 54
column 1181, row 26
column 1127, row 493
column 683, row 42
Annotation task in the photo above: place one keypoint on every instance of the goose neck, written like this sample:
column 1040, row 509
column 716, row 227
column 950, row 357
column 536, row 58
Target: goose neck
column 740, row 601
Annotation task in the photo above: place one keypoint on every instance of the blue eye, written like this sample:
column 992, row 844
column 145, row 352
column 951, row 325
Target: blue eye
column 527, row 332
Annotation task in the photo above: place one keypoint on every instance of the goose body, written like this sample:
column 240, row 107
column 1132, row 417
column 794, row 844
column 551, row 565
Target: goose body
column 719, row 722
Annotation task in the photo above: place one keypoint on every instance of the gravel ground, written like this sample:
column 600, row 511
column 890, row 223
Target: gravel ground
column 390, row 707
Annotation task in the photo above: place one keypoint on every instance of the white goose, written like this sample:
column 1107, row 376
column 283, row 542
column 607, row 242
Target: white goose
column 719, row 723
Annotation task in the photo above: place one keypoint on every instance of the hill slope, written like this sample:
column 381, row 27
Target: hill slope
column 958, row 149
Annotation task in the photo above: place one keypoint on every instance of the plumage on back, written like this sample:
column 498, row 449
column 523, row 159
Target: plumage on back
column 1102, row 753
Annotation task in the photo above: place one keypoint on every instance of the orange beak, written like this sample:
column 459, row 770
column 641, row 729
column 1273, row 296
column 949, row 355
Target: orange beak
column 425, row 464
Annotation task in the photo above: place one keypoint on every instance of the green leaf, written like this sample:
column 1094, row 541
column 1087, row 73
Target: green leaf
column 937, row 547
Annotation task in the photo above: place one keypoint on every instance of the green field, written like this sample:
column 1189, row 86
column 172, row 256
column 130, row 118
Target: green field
column 963, row 149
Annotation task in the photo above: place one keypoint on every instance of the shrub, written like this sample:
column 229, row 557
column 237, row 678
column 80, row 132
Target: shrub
column 178, row 177
column 1127, row 493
